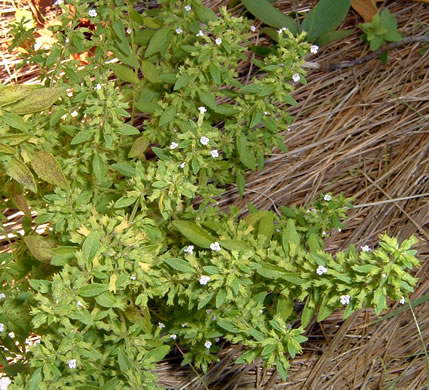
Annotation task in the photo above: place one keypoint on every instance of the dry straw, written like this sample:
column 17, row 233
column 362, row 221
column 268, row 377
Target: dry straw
column 363, row 131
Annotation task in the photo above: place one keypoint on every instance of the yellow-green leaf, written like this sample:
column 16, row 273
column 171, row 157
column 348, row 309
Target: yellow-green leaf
column 125, row 73
column 13, row 93
column 17, row 170
column 42, row 248
column 6, row 149
column 36, row 100
column 112, row 283
column 48, row 169
column 194, row 233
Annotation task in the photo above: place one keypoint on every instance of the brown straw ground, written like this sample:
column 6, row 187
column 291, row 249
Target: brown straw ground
column 363, row 131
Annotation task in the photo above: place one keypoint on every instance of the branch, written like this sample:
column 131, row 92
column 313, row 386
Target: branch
column 381, row 50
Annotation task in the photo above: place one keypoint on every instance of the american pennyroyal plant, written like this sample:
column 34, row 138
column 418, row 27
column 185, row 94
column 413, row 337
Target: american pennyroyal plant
column 129, row 267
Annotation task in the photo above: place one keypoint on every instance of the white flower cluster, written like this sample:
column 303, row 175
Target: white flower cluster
column 345, row 299
column 321, row 270
column 204, row 279
column 215, row 246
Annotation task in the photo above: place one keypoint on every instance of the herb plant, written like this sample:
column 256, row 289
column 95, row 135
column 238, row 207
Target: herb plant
column 128, row 267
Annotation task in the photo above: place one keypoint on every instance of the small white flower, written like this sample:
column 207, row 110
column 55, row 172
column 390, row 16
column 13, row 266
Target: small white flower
column 284, row 29
column 218, row 41
column 4, row 383
column 280, row 31
column 72, row 363
column 129, row 31
column 92, row 13
column 345, row 299
column 215, row 246
column 74, row 114
column 314, row 49
column 79, row 303
column 207, row 344
column 384, row 276
column 261, row 311
column 202, row 110
column 1, row 327
column 217, row 339
column 133, row 277
column 161, row 325
column 252, row 28
column 204, row 279
column 208, row 311
column 200, row 33
column 173, row 145
column 189, row 249
column 187, row 8
column 323, row 233
column 365, row 248
column 179, row 30
column 214, row 153
column 2, row 296
column 11, row 335
column 204, row 140
column 339, row 230
column 59, row 2
column 402, row 301
column 185, row 324
column 327, row 197
column 173, row 336
column 321, row 270
column 98, row 87
column 296, row 77
column 67, row 40
column 182, row 165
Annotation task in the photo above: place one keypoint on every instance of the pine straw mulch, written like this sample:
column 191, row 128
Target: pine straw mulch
column 363, row 131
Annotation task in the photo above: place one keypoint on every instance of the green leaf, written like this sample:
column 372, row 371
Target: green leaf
column 258, row 336
column 268, row 350
column 15, row 121
column 82, row 315
column 325, row 16
column 42, row 248
column 205, row 14
column 159, row 41
column 307, row 314
column 13, row 93
column 241, row 184
column 36, row 100
column 220, row 298
column 92, row 290
column 325, row 311
column 194, row 233
column 17, row 170
column 125, row 202
column 62, row 255
column 127, row 129
column 204, row 300
column 124, row 362
column 282, row 368
column 234, row 245
column 266, row 226
column 290, row 238
column 208, row 100
column 182, row 81
column 150, row 71
column 6, row 149
column 125, row 73
column 161, row 153
column 180, row 265
column 245, row 155
column 139, row 147
column 270, row 15
column 47, row 168
column 124, row 169
column 35, row 380
column 91, row 245
column 270, row 271
column 108, row 300
column 156, row 354
column 227, row 325
column 99, row 168
column 215, row 73
column 167, row 116
column 332, row 36
column 82, row 136
column 284, row 307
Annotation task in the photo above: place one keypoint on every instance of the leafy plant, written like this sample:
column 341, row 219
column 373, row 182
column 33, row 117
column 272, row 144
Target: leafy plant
column 381, row 29
column 127, row 266
column 319, row 23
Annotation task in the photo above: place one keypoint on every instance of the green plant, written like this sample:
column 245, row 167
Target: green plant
column 381, row 29
column 128, row 267
column 319, row 24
